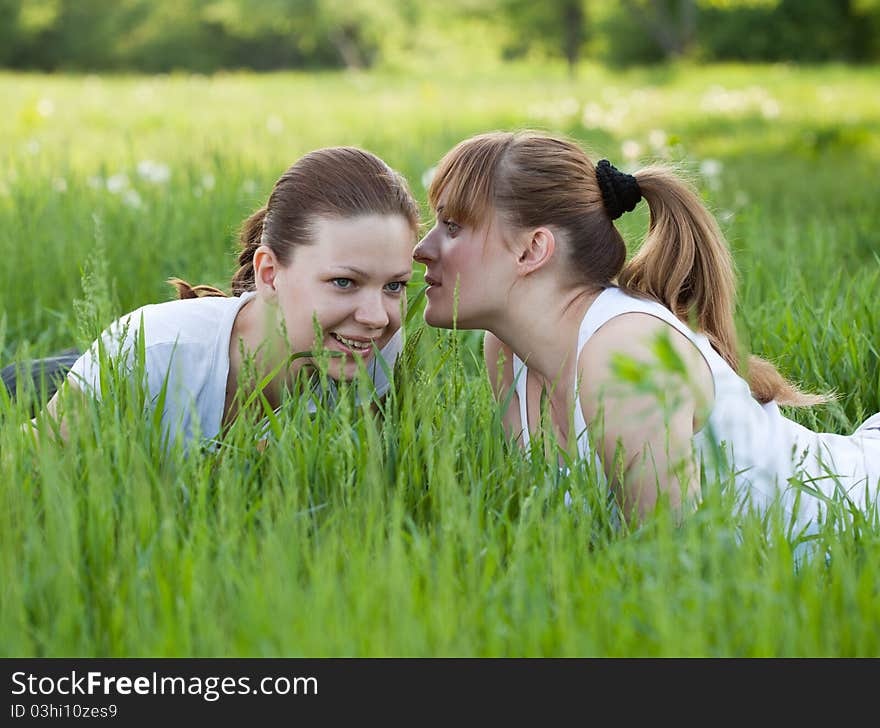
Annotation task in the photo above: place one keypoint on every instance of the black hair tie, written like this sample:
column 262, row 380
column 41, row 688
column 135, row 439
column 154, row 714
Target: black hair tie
column 620, row 191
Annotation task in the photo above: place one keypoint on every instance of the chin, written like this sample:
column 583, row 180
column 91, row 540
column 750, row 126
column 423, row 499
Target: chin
column 445, row 320
column 438, row 319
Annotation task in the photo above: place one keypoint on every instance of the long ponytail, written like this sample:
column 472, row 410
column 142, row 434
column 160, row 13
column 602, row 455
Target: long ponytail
column 534, row 179
column 685, row 264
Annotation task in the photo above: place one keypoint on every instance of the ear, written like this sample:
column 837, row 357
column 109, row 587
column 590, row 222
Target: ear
column 537, row 252
column 266, row 267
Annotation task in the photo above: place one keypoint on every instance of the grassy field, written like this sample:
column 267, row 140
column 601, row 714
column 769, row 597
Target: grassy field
column 418, row 532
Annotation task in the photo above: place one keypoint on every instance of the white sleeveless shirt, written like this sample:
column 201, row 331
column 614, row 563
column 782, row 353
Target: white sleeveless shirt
column 763, row 447
column 186, row 350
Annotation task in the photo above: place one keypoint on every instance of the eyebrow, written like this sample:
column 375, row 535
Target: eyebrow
column 440, row 209
column 364, row 274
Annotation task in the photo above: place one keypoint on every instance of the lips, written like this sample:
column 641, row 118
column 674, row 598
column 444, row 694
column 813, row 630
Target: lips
column 355, row 345
column 431, row 281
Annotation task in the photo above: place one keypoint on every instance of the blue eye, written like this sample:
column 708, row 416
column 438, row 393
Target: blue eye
column 343, row 283
column 452, row 227
column 395, row 286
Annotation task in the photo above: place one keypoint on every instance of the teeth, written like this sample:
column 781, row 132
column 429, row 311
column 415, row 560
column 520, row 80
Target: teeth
column 352, row 344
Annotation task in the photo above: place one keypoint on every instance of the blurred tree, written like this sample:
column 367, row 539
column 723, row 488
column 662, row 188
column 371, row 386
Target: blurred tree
column 670, row 23
column 649, row 31
column 201, row 35
column 207, row 35
column 9, row 31
column 556, row 26
column 777, row 30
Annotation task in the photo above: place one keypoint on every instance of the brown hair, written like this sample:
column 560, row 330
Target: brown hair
column 532, row 179
column 340, row 182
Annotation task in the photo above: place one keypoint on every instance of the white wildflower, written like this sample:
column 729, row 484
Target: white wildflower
column 59, row 184
column 427, row 176
column 45, row 107
column 657, row 138
column 614, row 118
column 711, row 168
column 274, row 124
column 593, row 116
column 568, row 107
column 117, row 183
column 153, row 172
column 770, row 108
column 132, row 199
column 631, row 150
column 825, row 94
column 555, row 113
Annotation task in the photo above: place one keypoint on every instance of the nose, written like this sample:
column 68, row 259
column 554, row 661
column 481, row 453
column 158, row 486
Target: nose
column 371, row 311
column 424, row 252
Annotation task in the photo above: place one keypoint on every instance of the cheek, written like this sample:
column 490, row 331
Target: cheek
column 301, row 317
column 330, row 305
column 464, row 259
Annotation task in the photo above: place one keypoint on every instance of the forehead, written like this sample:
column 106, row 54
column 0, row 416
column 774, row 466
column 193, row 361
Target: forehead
column 464, row 184
column 375, row 244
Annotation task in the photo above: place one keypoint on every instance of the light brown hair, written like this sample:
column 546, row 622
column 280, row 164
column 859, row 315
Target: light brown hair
column 532, row 180
column 335, row 182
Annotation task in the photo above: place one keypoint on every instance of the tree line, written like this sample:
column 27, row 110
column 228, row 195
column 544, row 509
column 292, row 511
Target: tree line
column 210, row 35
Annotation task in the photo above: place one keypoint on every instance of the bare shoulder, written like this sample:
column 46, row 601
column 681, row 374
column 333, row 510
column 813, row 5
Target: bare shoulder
column 495, row 351
column 645, row 343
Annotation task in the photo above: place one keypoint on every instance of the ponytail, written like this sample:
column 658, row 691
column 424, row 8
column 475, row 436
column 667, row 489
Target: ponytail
column 685, row 264
column 768, row 384
column 534, row 179
column 250, row 238
column 185, row 290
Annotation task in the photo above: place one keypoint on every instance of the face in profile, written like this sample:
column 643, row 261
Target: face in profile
column 352, row 279
column 463, row 273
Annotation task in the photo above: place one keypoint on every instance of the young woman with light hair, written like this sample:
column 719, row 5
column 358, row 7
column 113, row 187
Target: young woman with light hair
column 637, row 361
column 330, row 252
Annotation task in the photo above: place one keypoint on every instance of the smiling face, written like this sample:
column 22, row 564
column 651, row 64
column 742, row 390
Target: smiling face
column 352, row 279
column 464, row 272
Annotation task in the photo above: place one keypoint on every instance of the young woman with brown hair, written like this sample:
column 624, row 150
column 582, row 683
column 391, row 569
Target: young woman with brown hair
column 525, row 247
column 332, row 245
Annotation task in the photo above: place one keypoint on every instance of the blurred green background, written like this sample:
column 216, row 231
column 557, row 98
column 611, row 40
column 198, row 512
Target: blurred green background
column 136, row 136
column 209, row 35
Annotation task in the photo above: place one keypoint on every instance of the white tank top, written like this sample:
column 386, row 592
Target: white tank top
column 186, row 348
column 763, row 447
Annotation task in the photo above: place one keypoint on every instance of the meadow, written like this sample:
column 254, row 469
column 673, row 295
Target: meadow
column 417, row 531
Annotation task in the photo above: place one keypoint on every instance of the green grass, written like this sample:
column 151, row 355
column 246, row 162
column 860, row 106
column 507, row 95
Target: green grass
column 418, row 532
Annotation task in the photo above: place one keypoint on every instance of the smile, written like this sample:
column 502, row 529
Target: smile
column 361, row 346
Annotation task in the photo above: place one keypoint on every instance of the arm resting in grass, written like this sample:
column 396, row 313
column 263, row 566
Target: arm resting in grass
column 54, row 411
column 643, row 415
